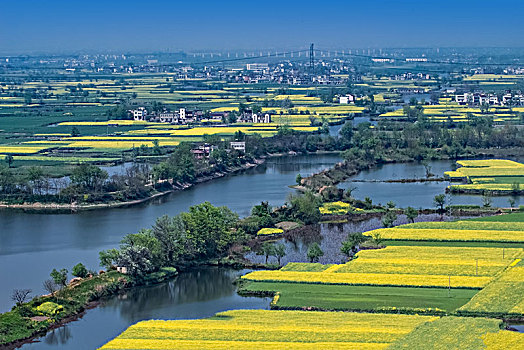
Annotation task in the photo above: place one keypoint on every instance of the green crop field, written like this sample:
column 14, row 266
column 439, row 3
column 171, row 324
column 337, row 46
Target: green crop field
column 451, row 333
column 362, row 298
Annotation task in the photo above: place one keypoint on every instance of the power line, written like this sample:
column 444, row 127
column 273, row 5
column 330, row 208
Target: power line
column 425, row 61
column 269, row 55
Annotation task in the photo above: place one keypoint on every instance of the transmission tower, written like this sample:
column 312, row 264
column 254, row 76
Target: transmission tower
column 311, row 58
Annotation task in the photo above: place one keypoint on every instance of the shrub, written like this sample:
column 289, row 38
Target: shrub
column 49, row 309
column 79, row 270
column 269, row 231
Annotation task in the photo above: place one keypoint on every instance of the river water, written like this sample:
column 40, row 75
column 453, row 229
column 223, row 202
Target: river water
column 415, row 194
column 33, row 244
column 195, row 294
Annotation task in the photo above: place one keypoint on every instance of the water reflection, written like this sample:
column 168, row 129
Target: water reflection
column 330, row 237
column 31, row 245
column 58, row 336
column 196, row 294
column 417, row 194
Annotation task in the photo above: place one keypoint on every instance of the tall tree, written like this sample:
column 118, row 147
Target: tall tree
column 171, row 234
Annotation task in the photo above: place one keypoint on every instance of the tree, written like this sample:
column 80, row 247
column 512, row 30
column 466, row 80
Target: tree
column 20, row 296
column 391, row 205
column 88, row 176
column 59, row 277
column 515, row 188
column 298, row 179
column 50, row 286
column 411, row 213
column 389, row 219
column 350, row 245
column 79, row 270
column 314, row 252
column 280, row 252
column 267, row 249
column 305, row 207
column 209, row 229
column 262, row 214
column 108, row 258
column 486, row 199
column 28, row 98
column 137, row 260
column 427, row 169
column 171, row 235
column 35, row 175
column 439, row 201
column 368, row 203
column 9, row 160
column 346, row 132
column 156, row 147
column 377, row 239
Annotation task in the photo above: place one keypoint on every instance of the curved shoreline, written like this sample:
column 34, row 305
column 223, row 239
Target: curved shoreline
column 82, row 207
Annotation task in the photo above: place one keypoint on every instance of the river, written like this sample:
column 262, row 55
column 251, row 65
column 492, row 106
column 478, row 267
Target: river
column 415, row 194
column 195, row 294
column 31, row 245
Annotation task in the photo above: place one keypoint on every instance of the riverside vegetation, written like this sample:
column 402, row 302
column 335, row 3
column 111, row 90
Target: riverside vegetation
column 207, row 234
column 396, row 280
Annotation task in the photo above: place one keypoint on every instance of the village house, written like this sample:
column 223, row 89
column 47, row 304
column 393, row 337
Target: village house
column 478, row 98
column 139, row 114
column 203, row 150
column 346, row 99
column 238, row 145
column 256, row 118
column 261, row 118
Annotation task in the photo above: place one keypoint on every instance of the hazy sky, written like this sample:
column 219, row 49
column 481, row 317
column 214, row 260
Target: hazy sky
column 54, row 26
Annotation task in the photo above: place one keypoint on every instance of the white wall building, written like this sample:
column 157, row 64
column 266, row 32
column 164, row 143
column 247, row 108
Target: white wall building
column 346, row 99
column 238, row 145
column 260, row 118
column 139, row 114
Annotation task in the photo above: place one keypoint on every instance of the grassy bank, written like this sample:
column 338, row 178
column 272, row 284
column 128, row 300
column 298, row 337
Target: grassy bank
column 36, row 317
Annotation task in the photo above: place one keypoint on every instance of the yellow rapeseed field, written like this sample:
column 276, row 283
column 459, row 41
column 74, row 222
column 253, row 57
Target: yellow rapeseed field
column 379, row 279
column 263, row 329
column 401, row 233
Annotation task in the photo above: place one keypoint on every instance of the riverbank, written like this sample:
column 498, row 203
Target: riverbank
column 74, row 207
column 342, row 171
column 29, row 320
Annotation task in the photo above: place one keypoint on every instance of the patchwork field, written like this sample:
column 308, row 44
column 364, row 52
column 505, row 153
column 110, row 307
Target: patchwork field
column 448, row 111
column 498, row 175
column 92, row 106
column 461, row 231
column 262, row 329
column 502, row 297
column 383, row 281
column 455, row 267
column 460, row 333
column 297, row 296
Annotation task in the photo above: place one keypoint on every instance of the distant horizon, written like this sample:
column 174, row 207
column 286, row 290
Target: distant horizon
column 238, row 50
column 32, row 27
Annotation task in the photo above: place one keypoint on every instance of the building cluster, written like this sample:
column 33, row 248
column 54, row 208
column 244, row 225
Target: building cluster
column 204, row 150
column 180, row 116
column 184, row 116
column 412, row 76
column 481, row 98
